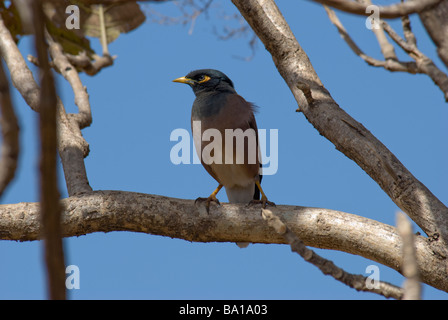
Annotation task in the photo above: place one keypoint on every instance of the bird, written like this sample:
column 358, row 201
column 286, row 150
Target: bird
column 220, row 108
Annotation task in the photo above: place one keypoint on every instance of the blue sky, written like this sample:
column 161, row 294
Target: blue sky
column 135, row 108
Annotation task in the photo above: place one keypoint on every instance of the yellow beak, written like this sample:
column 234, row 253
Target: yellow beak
column 184, row 80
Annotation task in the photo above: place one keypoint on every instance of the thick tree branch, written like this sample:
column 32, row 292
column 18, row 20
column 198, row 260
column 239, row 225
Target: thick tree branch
column 106, row 211
column 349, row 136
column 389, row 12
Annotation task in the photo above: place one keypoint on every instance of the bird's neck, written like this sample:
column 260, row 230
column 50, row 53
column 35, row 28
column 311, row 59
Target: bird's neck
column 220, row 88
column 209, row 103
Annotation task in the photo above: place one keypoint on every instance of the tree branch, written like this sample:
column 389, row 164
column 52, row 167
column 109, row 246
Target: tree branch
column 391, row 64
column 71, row 145
column 349, row 136
column 387, row 49
column 68, row 71
column 355, row 281
column 389, row 12
column 424, row 64
column 82, row 62
column 106, row 211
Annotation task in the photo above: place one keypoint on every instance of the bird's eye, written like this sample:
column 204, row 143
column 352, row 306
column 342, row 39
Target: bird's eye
column 203, row 78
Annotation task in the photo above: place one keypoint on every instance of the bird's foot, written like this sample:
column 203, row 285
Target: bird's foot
column 207, row 201
column 264, row 202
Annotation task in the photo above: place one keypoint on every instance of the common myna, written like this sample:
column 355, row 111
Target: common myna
column 218, row 107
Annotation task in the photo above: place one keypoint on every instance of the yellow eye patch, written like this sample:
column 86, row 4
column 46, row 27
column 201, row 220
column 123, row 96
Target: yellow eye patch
column 205, row 79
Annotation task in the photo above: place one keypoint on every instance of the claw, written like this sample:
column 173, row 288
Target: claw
column 211, row 198
column 207, row 202
column 264, row 202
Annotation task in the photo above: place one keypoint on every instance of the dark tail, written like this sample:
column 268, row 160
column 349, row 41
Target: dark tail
column 257, row 193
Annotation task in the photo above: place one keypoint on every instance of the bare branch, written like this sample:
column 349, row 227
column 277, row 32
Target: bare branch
column 190, row 12
column 10, row 134
column 83, row 62
column 390, row 63
column 106, row 211
column 408, row 34
column 110, row 2
column 71, row 145
column 422, row 64
column 197, row 13
column 103, row 38
column 355, row 281
column 387, row 49
column 412, row 286
column 389, row 12
column 63, row 65
column 409, row 48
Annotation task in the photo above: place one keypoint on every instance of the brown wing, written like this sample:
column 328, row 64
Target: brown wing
column 235, row 113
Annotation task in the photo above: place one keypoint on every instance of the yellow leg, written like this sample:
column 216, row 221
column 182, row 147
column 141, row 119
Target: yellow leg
column 214, row 193
column 211, row 198
column 264, row 200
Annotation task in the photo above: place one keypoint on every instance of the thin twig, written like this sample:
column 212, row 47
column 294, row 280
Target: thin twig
column 63, row 65
column 389, row 64
column 409, row 48
column 82, row 62
column 103, row 30
column 355, row 281
column 387, row 49
column 424, row 63
column 407, row 31
column 388, row 12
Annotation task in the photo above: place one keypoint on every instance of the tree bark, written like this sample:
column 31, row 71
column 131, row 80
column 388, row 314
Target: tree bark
column 106, row 211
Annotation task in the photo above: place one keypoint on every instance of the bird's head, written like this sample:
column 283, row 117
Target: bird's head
column 207, row 80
